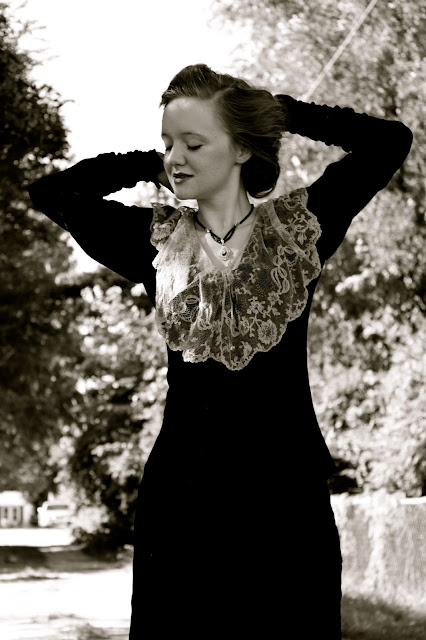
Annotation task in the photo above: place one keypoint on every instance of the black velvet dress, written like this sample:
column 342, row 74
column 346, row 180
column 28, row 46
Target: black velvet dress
column 234, row 533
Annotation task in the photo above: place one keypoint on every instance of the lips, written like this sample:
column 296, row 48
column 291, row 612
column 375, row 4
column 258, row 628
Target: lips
column 181, row 176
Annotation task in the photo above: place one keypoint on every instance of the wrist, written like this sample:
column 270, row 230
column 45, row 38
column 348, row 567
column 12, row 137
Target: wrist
column 288, row 106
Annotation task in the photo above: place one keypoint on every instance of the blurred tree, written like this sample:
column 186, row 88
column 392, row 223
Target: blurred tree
column 82, row 374
column 367, row 331
column 122, row 379
column 79, row 354
column 37, row 347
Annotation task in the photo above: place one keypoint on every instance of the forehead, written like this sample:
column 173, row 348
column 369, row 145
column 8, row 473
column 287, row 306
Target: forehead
column 191, row 115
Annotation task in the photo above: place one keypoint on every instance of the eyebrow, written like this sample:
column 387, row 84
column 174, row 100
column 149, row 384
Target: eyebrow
column 185, row 133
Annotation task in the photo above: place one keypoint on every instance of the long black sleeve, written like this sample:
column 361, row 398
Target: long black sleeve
column 115, row 235
column 376, row 149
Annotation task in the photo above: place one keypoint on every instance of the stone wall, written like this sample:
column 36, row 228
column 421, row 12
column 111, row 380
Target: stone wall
column 383, row 540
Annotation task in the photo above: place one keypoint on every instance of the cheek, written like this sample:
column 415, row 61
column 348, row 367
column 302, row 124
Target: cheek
column 167, row 165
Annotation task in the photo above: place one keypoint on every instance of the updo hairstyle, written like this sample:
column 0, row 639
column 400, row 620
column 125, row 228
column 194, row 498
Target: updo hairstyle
column 252, row 117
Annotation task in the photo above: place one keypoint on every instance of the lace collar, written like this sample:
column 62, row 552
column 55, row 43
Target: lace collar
column 231, row 315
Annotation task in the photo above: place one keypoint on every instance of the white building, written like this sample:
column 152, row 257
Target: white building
column 15, row 511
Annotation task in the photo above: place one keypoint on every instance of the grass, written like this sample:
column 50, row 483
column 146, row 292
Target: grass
column 362, row 620
column 365, row 620
column 69, row 559
column 87, row 632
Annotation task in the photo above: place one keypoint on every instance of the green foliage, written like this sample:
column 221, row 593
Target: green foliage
column 367, row 332
column 122, row 384
column 82, row 369
column 366, row 620
column 37, row 347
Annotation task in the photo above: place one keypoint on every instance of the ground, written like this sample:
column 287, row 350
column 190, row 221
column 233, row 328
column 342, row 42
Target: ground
column 52, row 590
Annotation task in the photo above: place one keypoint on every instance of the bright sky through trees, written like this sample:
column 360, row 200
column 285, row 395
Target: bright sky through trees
column 114, row 59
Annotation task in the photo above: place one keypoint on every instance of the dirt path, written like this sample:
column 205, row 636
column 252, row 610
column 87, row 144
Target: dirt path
column 60, row 593
column 65, row 606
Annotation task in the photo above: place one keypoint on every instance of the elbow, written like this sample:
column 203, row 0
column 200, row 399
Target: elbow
column 404, row 135
column 44, row 194
column 46, row 200
column 397, row 146
column 36, row 195
column 39, row 194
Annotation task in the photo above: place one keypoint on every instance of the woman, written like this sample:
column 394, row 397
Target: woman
column 234, row 533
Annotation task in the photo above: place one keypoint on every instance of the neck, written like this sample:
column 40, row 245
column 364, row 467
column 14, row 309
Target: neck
column 221, row 212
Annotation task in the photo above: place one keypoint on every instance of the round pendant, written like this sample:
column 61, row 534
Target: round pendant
column 225, row 253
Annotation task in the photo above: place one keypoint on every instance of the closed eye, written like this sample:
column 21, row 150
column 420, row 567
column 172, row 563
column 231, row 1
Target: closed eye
column 195, row 148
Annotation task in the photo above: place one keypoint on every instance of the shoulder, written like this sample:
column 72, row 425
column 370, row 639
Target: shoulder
column 290, row 214
column 165, row 219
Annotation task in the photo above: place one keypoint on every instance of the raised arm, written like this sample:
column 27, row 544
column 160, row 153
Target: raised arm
column 115, row 235
column 376, row 149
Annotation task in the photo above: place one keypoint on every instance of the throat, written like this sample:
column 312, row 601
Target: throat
column 224, row 235
column 226, row 256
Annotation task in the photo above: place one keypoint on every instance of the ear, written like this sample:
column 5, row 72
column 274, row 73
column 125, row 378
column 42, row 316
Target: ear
column 242, row 155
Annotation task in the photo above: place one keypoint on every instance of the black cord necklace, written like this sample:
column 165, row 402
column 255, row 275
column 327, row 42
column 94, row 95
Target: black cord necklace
column 224, row 253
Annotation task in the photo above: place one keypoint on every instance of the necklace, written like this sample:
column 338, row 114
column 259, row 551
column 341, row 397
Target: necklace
column 224, row 253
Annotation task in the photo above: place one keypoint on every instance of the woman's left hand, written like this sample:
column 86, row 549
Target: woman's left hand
column 162, row 176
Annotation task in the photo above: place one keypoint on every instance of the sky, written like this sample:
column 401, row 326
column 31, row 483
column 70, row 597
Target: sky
column 112, row 59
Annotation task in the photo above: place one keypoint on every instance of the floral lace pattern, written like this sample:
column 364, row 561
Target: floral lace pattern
column 231, row 315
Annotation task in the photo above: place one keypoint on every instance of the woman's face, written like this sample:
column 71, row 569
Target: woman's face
column 200, row 158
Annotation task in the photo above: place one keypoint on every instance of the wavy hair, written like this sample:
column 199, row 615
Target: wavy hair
column 252, row 117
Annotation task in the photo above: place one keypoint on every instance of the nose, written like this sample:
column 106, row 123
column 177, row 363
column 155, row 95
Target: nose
column 176, row 156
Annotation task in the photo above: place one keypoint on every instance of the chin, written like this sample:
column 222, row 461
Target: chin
column 184, row 194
